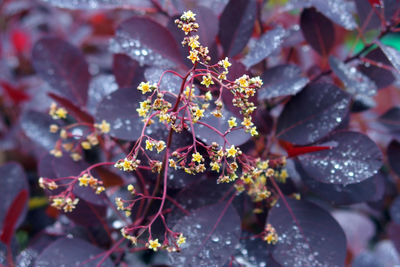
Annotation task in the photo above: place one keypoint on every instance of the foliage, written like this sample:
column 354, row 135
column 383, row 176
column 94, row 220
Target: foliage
column 199, row 133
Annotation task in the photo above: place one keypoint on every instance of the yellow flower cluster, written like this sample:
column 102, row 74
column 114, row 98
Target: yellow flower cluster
column 127, row 165
column 56, row 112
column 159, row 145
column 88, row 180
column 270, row 235
column 68, row 204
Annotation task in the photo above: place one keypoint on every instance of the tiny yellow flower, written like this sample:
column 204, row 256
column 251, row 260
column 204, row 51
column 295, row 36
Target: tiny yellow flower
column 160, row 146
column 53, row 128
column 76, row 156
column 232, row 122
column 172, row 164
column 84, row 180
column 145, row 87
column 181, row 240
column 225, row 63
column 196, row 157
column 119, row 203
column 142, row 112
column 193, row 42
column 215, row 166
column 104, row 126
column 56, row 153
column 247, row 122
column 208, row 96
column 243, row 81
column 70, row 204
column 232, row 151
column 254, row 131
column 149, row 145
column 57, row 202
column 131, row 189
column 61, row 113
column 154, row 244
column 100, row 189
column 188, row 15
column 199, row 113
column 193, row 56
column 86, row 145
column 207, row 80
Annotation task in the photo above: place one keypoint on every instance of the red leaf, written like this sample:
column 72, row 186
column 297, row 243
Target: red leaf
column 20, row 40
column 375, row 2
column 15, row 93
column 294, row 151
column 79, row 114
column 13, row 213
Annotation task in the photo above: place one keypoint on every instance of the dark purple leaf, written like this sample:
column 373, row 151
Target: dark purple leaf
column 339, row 11
column 36, row 126
column 382, row 77
column 282, row 80
column 393, row 154
column 79, row 114
column 64, row 67
column 13, row 180
column 314, row 238
column 119, row 109
column 393, row 233
column 236, row 25
column 127, row 71
column 313, row 113
column 146, row 41
column 318, row 31
column 207, row 135
column 395, row 210
column 101, row 4
column 72, row 252
column 391, row 8
column 100, row 86
column 209, row 25
column 354, row 157
column 212, row 234
column 367, row 17
column 369, row 190
column 391, row 119
column 355, row 82
column 359, row 229
column 268, row 43
column 392, row 54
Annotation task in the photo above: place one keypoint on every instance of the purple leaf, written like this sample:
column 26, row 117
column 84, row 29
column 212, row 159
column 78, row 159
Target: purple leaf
column 13, row 180
column 353, row 158
column 207, row 135
column 212, row 234
column 313, row 239
column 169, row 82
column 392, row 54
column 313, row 113
column 101, row 4
column 395, row 210
column 119, row 109
column 64, row 67
column 355, row 82
column 367, row 17
column 393, row 155
column 390, row 8
column 369, row 190
column 382, row 77
column 127, row 71
column 359, row 229
column 236, row 25
column 391, row 119
column 146, row 41
column 282, row 80
column 72, row 252
column 318, row 31
column 339, row 11
column 36, row 126
column 99, row 87
column 268, row 43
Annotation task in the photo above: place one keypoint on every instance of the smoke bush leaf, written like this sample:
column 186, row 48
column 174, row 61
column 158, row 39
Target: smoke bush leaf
column 353, row 158
column 212, row 233
column 313, row 238
column 313, row 113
